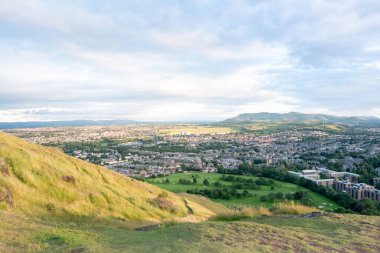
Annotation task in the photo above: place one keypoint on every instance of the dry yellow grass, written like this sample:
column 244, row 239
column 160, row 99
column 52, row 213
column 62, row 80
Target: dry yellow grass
column 291, row 207
column 243, row 213
column 44, row 182
column 286, row 207
column 334, row 127
column 253, row 212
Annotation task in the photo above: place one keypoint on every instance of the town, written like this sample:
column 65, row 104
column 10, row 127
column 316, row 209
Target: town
column 328, row 157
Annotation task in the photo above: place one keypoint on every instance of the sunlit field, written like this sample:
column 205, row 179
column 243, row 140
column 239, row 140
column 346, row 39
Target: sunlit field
column 194, row 129
column 319, row 201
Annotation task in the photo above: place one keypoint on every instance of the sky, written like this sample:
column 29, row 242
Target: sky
column 187, row 60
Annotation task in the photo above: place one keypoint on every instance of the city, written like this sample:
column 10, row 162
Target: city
column 327, row 154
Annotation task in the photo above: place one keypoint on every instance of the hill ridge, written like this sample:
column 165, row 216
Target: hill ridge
column 302, row 117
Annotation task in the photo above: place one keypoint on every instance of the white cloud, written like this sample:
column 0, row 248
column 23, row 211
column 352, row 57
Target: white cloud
column 65, row 18
column 153, row 60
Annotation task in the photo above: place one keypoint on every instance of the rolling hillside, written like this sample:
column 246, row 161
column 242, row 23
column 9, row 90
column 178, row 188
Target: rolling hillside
column 44, row 182
column 301, row 117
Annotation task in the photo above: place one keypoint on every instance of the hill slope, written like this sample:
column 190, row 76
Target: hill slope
column 44, row 182
column 330, row 233
column 301, row 117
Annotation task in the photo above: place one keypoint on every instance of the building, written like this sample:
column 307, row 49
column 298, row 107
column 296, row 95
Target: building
column 324, row 182
column 338, row 174
column 313, row 175
column 375, row 195
column 358, row 191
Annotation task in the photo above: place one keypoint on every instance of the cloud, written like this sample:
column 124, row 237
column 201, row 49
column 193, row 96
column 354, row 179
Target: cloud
column 126, row 84
column 187, row 60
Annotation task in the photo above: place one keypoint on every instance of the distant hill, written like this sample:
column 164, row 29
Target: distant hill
column 72, row 123
column 301, row 117
column 44, row 182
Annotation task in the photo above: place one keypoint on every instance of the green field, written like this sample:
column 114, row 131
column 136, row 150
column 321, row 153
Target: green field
column 279, row 186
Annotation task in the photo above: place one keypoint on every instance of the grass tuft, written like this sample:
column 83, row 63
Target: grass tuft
column 292, row 207
column 242, row 214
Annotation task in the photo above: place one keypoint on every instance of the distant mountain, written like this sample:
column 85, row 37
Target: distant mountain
column 301, row 117
column 72, row 123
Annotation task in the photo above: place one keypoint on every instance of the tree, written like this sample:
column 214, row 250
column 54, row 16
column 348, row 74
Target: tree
column 194, row 180
column 307, row 201
column 299, row 195
column 367, row 206
column 218, row 184
column 289, row 196
column 279, row 195
column 167, row 180
column 377, row 186
column 184, row 181
column 206, row 182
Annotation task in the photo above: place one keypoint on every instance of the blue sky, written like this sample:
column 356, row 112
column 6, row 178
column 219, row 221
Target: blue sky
column 187, row 60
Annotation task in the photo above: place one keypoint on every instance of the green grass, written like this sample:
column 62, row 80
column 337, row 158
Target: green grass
column 44, row 182
column 280, row 186
column 332, row 233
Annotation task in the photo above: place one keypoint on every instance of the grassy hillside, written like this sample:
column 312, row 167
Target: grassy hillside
column 50, row 202
column 331, row 233
column 319, row 201
column 44, row 182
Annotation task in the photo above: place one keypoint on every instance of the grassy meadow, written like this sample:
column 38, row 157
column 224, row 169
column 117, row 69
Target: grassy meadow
column 284, row 187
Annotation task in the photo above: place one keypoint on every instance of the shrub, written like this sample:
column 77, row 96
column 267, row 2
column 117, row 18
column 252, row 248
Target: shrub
column 184, row 181
column 50, row 208
column 279, row 195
